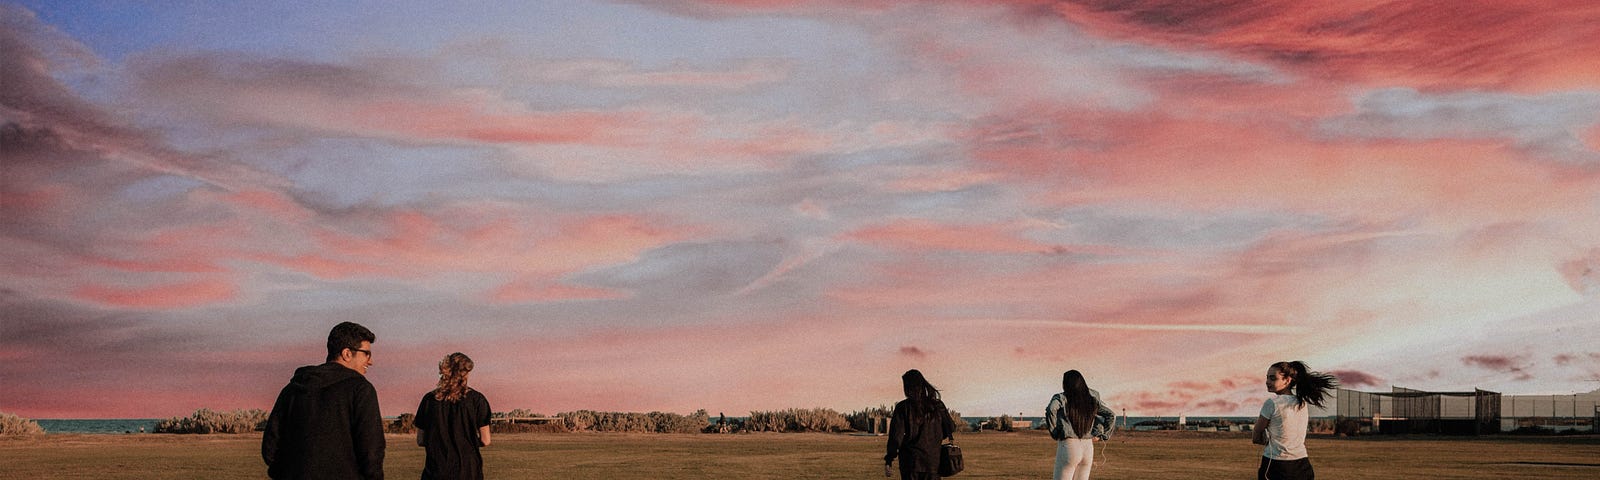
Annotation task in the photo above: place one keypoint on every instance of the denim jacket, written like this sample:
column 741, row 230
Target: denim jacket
column 1055, row 419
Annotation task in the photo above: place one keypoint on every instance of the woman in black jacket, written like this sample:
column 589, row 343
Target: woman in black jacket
column 920, row 423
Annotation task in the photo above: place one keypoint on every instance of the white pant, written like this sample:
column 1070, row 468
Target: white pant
column 1074, row 458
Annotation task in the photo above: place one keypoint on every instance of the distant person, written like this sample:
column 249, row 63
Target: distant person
column 1285, row 418
column 452, row 423
column 920, row 424
column 325, row 423
column 1076, row 418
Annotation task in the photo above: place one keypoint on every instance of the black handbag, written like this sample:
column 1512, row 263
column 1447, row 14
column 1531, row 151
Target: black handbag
column 950, row 460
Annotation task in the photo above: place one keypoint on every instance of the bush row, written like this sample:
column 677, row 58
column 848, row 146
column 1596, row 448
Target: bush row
column 797, row 420
column 15, row 425
column 653, row 422
column 206, row 420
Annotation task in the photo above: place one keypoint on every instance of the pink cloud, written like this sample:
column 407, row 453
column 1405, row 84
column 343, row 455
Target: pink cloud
column 617, row 74
column 329, row 269
column 179, row 295
column 913, row 352
column 177, row 265
column 925, row 235
column 1463, row 45
column 1356, row 379
column 539, row 290
column 1501, row 364
column 570, row 142
column 1583, row 274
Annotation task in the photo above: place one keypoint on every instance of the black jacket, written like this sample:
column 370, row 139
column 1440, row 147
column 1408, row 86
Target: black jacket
column 325, row 424
column 916, row 440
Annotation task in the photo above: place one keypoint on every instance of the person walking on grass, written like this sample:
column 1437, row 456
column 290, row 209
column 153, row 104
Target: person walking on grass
column 1285, row 418
column 453, row 423
column 325, row 423
column 920, row 423
column 1076, row 418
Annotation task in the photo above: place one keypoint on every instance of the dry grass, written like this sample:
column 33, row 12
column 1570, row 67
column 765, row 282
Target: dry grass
column 1152, row 455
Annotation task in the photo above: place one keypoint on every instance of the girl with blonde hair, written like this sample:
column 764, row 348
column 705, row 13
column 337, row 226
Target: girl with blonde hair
column 452, row 423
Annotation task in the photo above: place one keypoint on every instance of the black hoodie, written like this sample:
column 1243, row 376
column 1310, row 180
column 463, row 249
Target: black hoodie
column 325, row 424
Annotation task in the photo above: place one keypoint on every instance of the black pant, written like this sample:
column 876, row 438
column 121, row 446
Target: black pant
column 910, row 475
column 1285, row 469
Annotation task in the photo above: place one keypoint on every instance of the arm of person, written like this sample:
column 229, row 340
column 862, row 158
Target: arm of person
column 420, row 441
column 272, row 433
column 1259, row 435
column 1051, row 421
column 484, row 418
column 949, row 425
column 1103, row 418
column 368, row 432
column 897, row 434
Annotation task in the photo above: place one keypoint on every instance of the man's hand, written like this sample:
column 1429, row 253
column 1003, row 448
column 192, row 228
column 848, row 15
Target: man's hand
column 887, row 471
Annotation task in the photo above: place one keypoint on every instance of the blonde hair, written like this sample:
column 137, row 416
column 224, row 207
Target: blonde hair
column 453, row 372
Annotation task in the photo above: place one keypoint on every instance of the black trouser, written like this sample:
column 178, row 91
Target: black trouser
column 1285, row 469
column 910, row 475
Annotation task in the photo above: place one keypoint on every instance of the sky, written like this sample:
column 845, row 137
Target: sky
column 739, row 205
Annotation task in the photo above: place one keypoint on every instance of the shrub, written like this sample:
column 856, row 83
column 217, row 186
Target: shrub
column 206, row 420
column 508, row 427
column 653, row 422
column 798, row 420
column 1321, row 425
column 405, row 424
column 1002, row 423
column 15, row 425
column 863, row 420
column 962, row 425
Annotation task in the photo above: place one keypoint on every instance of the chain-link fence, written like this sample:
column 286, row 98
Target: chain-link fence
column 1550, row 412
column 1405, row 410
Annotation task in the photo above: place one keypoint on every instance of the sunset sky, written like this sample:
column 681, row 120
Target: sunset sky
column 746, row 205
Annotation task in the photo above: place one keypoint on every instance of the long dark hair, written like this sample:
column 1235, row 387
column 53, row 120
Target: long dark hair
column 924, row 399
column 1080, row 403
column 1309, row 387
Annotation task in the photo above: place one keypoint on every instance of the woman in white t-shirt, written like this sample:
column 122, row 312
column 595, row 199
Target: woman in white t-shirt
column 1284, row 418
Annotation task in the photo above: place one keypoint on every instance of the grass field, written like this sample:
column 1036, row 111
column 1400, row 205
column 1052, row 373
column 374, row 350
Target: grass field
column 1141, row 455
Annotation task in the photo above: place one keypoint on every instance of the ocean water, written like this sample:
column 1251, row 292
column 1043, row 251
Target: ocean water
column 100, row 425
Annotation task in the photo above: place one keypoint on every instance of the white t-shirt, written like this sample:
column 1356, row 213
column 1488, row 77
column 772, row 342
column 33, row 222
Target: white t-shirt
column 1286, row 436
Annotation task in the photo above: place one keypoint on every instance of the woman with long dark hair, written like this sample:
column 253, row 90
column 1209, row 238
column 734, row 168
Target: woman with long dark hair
column 1076, row 418
column 919, row 424
column 452, row 423
column 1285, row 418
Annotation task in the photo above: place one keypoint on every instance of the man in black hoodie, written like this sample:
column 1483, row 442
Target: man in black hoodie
column 325, row 423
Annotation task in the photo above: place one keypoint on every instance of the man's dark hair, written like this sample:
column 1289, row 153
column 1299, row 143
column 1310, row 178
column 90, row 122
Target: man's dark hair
column 347, row 335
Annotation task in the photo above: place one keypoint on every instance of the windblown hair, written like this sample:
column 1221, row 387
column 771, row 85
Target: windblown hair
column 1080, row 405
column 453, row 372
column 1309, row 387
column 924, row 398
column 347, row 335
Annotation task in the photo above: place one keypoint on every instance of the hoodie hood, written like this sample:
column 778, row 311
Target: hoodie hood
column 317, row 377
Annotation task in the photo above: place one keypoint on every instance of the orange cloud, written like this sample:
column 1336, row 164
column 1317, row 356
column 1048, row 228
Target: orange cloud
column 179, row 295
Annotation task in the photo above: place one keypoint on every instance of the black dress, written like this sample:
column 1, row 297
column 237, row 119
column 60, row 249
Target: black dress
column 450, row 436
